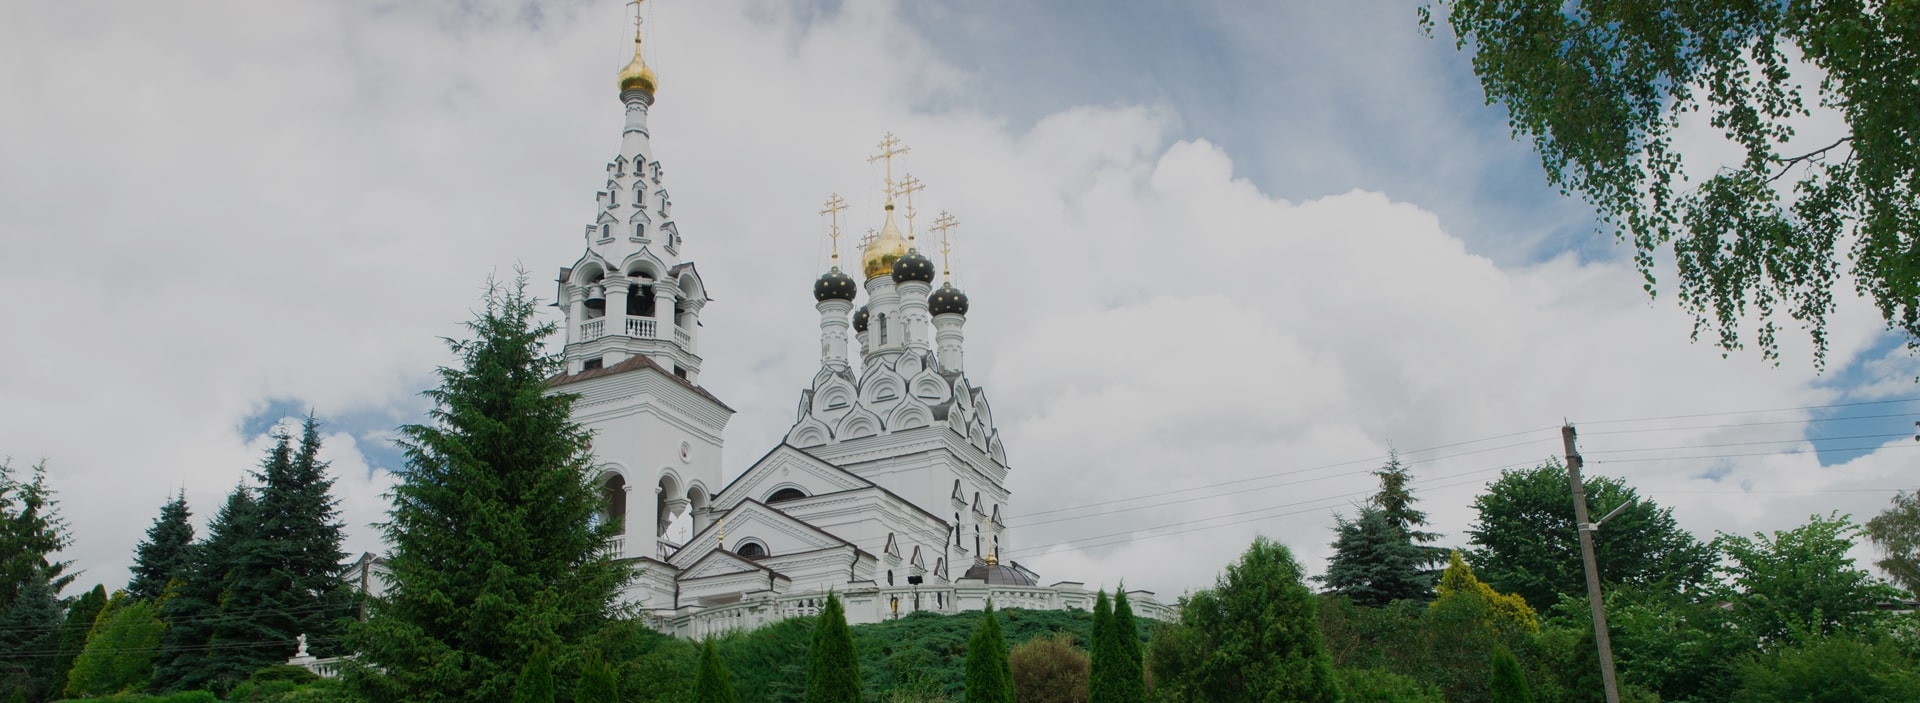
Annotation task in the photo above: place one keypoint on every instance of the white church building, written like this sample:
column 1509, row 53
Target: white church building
column 890, row 488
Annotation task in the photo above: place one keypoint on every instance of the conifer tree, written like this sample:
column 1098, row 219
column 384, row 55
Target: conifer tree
column 1375, row 563
column 163, row 555
column 833, row 667
column 494, row 545
column 1103, row 674
column 989, row 676
column 1131, row 683
column 31, row 530
column 598, row 683
column 1254, row 636
column 536, row 680
column 119, row 654
column 29, row 632
column 1509, row 685
column 73, row 633
column 192, row 608
column 713, row 684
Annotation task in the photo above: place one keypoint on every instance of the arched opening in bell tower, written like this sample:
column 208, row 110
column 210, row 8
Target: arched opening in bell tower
column 613, row 492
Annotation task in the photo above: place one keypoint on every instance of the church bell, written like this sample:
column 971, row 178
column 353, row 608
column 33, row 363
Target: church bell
column 596, row 297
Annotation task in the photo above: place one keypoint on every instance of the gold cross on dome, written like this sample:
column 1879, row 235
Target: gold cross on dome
column 908, row 186
column 639, row 18
column 834, row 205
column 889, row 148
column 943, row 224
column 868, row 239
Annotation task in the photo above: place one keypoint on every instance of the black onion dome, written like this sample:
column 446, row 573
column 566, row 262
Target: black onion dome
column 915, row 266
column 860, row 319
column 834, row 285
column 998, row 575
column 947, row 299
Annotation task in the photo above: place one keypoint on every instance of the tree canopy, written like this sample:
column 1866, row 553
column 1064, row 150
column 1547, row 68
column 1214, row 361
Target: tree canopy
column 1253, row 636
column 31, row 531
column 1896, row 531
column 166, row 552
column 1613, row 95
column 833, row 667
column 989, row 675
column 1799, row 583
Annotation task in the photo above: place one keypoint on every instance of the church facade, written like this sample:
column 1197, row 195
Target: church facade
column 890, row 487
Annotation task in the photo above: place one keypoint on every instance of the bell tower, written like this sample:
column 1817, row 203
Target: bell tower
column 633, row 308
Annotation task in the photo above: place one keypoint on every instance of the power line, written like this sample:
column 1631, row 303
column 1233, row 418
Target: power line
column 1745, row 444
column 1804, row 421
column 1874, row 447
column 1751, row 412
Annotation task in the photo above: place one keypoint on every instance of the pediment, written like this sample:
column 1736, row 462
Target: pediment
column 719, row 563
column 779, row 532
column 787, row 465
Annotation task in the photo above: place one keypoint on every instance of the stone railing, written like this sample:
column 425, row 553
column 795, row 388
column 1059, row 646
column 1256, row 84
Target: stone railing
column 640, row 327
column 865, row 606
column 592, row 330
column 680, row 335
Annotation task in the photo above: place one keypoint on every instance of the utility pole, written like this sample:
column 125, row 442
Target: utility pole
column 1593, row 570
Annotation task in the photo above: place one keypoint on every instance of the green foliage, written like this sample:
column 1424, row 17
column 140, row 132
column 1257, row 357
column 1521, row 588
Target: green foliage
column 1253, row 636
column 494, row 548
column 29, row 632
column 833, row 667
column 1835, row 669
column 1502, row 610
column 1049, row 669
column 192, row 606
column 1130, row 683
column 1896, row 531
column 1382, row 686
column 31, row 530
column 1508, row 684
column 1395, row 500
column 1685, row 649
column 1375, row 563
column 1603, row 89
column 598, row 684
column 1526, row 542
column 166, row 552
column 1103, row 657
column 73, row 633
column 989, row 676
column 713, row 684
column 119, row 654
column 1447, row 644
column 536, row 680
column 1799, row 581
column 182, row 697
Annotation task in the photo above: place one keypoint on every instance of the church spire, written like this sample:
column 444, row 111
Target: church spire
column 637, row 75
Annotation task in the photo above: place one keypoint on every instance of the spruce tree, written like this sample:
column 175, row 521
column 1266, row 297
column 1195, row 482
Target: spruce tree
column 1395, row 500
column 1509, row 685
column 1131, row 683
column 1375, row 563
column 833, row 667
column 494, row 543
column 73, row 633
column 285, row 580
column 163, row 555
column 29, row 634
column 1103, row 676
column 192, row 607
column 31, row 530
column 989, row 676
column 536, row 680
column 250, row 631
column 713, row 684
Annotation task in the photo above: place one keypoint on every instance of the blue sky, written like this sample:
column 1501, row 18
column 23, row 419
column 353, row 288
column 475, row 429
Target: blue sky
column 1204, row 241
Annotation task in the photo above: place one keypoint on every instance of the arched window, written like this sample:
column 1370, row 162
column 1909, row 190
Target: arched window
column 606, row 231
column 640, row 230
column 613, row 197
column 751, row 550
column 882, row 324
column 889, row 577
column 639, row 196
column 785, row 494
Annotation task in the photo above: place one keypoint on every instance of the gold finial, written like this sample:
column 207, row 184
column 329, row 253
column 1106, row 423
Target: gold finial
column 993, row 557
column 637, row 76
column 723, row 533
column 908, row 186
column 889, row 147
column 942, row 224
column 834, row 205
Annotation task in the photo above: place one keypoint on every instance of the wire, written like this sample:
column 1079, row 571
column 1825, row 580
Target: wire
column 1745, row 444
column 1804, row 421
column 1752, row 412
column 1875, row 447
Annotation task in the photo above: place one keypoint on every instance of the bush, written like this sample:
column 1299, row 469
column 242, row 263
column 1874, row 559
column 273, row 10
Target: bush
column 1836, row 668
column 1382, row 686
column 1050, row 670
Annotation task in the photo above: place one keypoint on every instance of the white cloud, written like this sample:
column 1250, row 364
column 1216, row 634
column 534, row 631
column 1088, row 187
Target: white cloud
column 225, row 205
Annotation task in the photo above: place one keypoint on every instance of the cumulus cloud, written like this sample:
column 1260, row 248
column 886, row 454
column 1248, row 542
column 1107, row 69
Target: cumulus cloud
column 300, row 205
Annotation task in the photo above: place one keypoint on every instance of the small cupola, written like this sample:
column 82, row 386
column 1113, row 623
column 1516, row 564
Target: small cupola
column 835, row 285
column 915, row 266
column 860, row 319
column 947, row 300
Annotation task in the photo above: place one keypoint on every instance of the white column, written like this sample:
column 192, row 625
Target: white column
column 949, row 335
column 913, row 314
column 616, row 291
column 834, row 324
column 665, row 293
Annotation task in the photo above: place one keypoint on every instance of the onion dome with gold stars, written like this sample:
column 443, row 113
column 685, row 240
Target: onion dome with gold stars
column 915, row 266
column 860, row 319
column 834, row 285
column 947, row 300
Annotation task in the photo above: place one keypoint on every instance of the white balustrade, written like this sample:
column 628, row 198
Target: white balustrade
column 680, row 335
column 592, row 329
column 640, row 327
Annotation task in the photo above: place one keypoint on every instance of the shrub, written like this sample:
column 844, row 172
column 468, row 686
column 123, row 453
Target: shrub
column 1382, row 686
column 1050, row 670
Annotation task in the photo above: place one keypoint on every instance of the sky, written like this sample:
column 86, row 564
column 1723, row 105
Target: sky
column 1222, row 256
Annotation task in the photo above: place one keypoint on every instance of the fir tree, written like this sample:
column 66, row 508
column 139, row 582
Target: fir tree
column 1102, row 683
column 494, row 545
column 163, row 556
column 1254, row 636
column 1131, row 684
column 989, row 676
column 1374, row 563
column 833, row 667
column 598, row 683
column 192, row 606
column 73, row 633
column 1395, row 500
column 1509, row 685
column 713, row 684
column 536, row 680
column 29, row 633
column 31, row 530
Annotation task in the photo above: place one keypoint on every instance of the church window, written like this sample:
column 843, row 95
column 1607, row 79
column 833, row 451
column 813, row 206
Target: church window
column 590, row 365
column 752, row 550
column 613, row 197
column 640, row 231
column 677, row 371
column 606, row 231
column 882, row 324
column 786, row 494
column 976, row 540
column 639, row 196
column 889, row 577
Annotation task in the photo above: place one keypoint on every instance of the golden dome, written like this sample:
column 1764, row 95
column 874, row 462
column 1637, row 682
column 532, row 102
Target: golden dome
column 637, row 75
column 884, row 249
